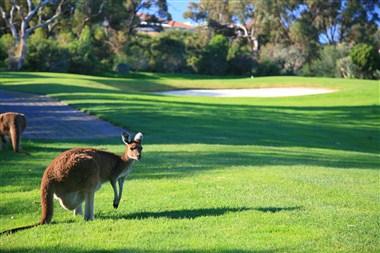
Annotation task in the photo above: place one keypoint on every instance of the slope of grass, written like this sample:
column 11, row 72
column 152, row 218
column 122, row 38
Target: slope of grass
column 297, row 174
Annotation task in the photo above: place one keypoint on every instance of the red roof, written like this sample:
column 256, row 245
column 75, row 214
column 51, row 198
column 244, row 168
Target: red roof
column 177, row 24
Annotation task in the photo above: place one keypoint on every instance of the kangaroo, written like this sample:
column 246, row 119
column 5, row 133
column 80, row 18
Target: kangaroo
column 12, row 124
column 76, row 174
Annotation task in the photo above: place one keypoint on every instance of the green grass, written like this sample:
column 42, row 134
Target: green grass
column 296, row 174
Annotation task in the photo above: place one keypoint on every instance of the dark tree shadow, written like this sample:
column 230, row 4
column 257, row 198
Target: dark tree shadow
column 272, row 209
column 193, row 213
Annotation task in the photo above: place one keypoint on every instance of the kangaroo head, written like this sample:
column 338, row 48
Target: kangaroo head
column 133, row 146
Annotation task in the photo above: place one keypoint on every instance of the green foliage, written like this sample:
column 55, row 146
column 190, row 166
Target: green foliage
column 137, row 53
column 214, row 57
column 267, row 68
column 6, row 43
column 326, row 63
column 195, row 42
column 289, row 59
column 240, row 60
column 366, row 58
column 83, row 59
column 46, row 55
column 347, row 69
column 173, row 51
column 168, row 54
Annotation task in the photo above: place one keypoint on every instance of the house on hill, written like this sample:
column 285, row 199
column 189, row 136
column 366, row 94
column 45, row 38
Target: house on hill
column 152, row 25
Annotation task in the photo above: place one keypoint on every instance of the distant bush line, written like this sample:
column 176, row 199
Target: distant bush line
column 189, row 52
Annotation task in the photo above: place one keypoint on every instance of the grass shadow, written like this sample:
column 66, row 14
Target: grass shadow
column 194, row 213
column 272, row 209
column 351, row 128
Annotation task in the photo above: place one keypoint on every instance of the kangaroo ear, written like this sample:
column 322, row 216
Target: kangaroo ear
column 138, row 137
column 126, row 137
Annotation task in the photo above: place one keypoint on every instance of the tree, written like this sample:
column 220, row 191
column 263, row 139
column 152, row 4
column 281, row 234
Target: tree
column 168, row 54
column 23, row 19
column 214, row 58
column 349, row 21
column 266, row 19
column 366, row 58
column 244, row 17
column 210, row 11
column 118, row 19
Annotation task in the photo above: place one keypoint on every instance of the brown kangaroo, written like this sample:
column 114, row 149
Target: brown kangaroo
column 75, row 175
column 12, row 124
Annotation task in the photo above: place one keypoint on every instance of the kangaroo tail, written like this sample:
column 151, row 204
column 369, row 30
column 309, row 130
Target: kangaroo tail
column 46, row 200
column 15, row 137
column 14, row 230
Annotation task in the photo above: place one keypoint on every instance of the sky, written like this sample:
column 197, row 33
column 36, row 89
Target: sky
column 177, row 8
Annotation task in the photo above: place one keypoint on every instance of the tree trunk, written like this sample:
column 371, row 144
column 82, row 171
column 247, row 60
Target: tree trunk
column 21, row 52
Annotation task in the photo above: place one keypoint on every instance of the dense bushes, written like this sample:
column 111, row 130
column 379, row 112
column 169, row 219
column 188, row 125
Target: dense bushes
column 184, row 52
column 360, row 61
column 279, row 60
column 240, row 60
column 6, row 42
column 96, row 49
column 366, row 58
column 327, row 62
column 214, row 58
column 168, row 54
column 45, row 54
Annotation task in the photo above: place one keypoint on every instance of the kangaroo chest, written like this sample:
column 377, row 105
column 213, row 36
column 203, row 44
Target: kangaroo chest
column 125, row 171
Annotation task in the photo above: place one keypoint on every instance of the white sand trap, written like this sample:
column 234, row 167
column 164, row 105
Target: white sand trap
column 258, row 92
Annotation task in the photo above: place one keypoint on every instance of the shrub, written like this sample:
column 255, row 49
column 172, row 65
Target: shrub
column 83, row 59
column 137, row 53
column 6, row 42
column 366, row 58
column 347, row 69
column 326, row 64
column 45, row 54
column 240, row 61
column 289, row 59
column 267, row 68
column 214, row 58
column 168, row 54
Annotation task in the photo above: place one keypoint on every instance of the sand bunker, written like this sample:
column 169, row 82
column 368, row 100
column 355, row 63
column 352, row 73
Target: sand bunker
column 258, row 92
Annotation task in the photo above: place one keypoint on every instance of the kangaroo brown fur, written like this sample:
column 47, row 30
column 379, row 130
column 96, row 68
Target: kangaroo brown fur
column 75, row 175
column 12, row 124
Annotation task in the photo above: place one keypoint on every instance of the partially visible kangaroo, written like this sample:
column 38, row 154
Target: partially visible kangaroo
column 12, row 124
column 75, row 175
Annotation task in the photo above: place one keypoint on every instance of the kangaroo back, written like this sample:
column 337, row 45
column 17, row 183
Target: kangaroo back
column 47, row 193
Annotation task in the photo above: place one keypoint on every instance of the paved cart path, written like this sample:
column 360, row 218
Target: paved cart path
column 48, row 118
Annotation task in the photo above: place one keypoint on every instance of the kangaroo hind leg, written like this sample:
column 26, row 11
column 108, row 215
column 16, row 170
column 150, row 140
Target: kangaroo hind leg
column 89, row 205
column 78, row 210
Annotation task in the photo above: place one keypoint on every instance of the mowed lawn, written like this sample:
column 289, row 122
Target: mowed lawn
column 295, row 174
